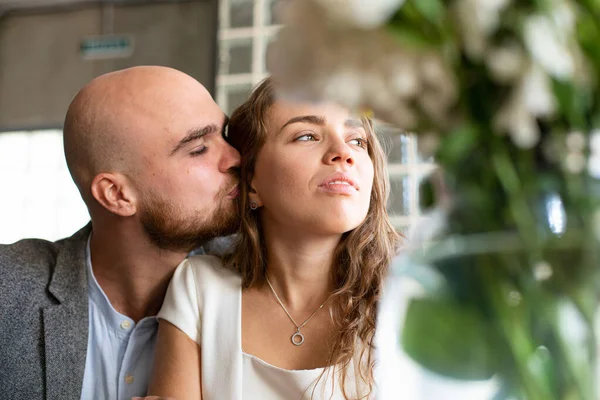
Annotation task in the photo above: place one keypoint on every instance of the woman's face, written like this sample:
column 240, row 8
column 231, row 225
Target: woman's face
column 314, row 172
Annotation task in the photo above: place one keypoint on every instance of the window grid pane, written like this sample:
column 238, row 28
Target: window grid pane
column 235, row 56
column 236, row 95
column 241, row 13
column 272, row 11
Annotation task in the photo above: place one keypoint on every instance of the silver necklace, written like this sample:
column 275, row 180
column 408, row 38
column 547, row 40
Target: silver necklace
column 297, row 338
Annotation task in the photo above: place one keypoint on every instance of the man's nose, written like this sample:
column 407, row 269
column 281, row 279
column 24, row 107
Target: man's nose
column 230, row 158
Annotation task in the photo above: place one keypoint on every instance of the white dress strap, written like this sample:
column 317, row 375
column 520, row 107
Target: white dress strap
column 204, row 301
column 220, row 290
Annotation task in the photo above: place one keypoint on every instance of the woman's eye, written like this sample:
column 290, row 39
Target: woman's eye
column 309, row 137
column 199, row 151
column 359, row 142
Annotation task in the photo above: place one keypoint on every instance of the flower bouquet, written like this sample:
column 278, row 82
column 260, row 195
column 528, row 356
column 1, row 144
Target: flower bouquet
column 506, row 95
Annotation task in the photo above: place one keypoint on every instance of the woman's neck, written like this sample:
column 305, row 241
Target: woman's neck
column 300, row 268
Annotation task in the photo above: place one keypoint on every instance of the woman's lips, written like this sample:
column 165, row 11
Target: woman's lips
column 338, row 187
column 339, row 183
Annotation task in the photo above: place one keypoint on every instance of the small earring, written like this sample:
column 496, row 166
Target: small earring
column 253, row 205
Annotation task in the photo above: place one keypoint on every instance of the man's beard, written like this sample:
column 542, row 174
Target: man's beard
column 169, row 229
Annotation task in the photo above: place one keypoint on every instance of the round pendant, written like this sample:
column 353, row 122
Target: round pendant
column 297, row 338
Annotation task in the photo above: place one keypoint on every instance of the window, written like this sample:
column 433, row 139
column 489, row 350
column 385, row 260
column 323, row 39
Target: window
column 37, row 197
column 245, row 29
column 406, row 171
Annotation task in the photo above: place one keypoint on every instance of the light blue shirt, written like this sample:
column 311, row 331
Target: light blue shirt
column 120, row 353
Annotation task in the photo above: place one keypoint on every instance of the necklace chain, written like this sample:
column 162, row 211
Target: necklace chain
column 298, row 327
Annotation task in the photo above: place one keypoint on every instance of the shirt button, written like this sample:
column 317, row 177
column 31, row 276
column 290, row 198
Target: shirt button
column 125, row 325
column 129, row 379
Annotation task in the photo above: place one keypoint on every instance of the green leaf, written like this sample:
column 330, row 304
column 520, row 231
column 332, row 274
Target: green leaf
column 540, row 365
column 575, row 339
column 410, row 37
column 457, row 145
column 449, row 339
column 573, row 102
column 432, row 10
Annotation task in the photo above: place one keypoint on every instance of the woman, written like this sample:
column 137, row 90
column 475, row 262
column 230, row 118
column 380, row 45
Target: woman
column 291, row 314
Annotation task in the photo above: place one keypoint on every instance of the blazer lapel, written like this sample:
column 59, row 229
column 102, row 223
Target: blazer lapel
column 66, row 324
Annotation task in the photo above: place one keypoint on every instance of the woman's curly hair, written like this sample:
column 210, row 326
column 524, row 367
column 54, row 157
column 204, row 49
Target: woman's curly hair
column 361, row 258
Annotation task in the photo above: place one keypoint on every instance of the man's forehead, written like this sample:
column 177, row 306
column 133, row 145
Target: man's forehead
column 185, row 116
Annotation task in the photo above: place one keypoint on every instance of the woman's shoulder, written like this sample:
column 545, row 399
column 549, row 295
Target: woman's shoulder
column 200, row 284
column 209, row 272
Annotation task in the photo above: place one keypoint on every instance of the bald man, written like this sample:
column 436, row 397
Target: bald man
column 145, row 147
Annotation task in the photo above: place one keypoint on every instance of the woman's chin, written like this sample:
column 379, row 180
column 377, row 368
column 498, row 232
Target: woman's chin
column 341, row 226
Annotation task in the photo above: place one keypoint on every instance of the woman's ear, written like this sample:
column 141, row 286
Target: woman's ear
column 113, row 192
column 253, row 195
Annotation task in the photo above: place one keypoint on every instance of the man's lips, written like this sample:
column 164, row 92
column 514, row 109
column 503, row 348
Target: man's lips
column 234, row 192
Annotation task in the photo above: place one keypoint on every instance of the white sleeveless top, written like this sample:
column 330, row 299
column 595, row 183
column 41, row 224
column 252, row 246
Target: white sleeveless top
column 204, row 301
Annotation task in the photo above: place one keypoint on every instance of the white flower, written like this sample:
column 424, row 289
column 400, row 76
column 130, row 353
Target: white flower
column 492, row 4
column 594, row 158
column 403, row 79
column 365, row 14
column 505, row 63
column 594, row 166
column 525, row 132
column 487, row 13
column 595, row 141
column 438, row 79
column 520, row 125
column 575, row 141
column 563, row 16
column 530, row 100
column 574, row 162
column 547, row 44
column 432, row 70
column 542, row 271
column 478, row 19
column 537, row 93
column 514, row 298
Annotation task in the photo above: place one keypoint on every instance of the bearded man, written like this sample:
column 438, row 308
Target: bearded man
column 146, row 149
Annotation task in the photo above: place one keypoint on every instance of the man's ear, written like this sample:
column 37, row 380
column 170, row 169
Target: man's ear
column 114, row 193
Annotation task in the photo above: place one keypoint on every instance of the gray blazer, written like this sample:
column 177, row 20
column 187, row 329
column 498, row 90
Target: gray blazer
column 43, row 318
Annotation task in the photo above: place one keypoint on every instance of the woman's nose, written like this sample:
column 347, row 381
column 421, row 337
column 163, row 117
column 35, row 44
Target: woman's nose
column 339, row 152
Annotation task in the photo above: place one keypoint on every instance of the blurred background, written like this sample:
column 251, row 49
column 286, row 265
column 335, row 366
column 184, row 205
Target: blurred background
column 51, row 48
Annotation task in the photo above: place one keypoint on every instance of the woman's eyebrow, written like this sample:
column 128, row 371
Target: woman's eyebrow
column 321, row 121
column 309, row 119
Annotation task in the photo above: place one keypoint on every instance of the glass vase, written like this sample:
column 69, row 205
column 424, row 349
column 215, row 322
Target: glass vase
column 486, row 317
